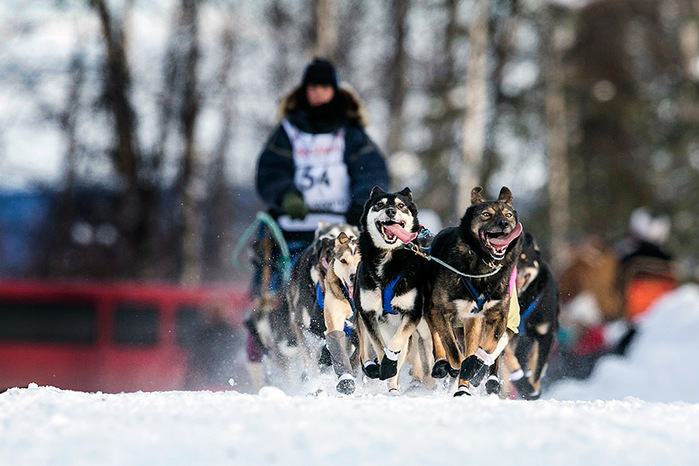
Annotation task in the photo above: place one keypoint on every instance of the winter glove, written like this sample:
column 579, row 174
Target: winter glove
column 293, row 206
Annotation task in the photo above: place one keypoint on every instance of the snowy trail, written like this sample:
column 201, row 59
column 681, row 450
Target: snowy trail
column 44, row 425
column 643, row 409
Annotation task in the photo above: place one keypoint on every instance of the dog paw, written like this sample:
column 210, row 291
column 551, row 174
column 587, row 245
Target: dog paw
column 394, row 392
column 462, row 391
column 388, row 368
column 525, row 390
column 492, row 385
column 441, row 369
column 346, row 386
column 371, row 369
column 473, row 369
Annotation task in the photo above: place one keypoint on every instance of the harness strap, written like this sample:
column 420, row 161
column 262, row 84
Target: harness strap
column 528, row 311
column 345, row 292
column 349, row 323
column 387, row 294
column 349, row 299
column 418, row 250
column 479, row 298
column 319, row 296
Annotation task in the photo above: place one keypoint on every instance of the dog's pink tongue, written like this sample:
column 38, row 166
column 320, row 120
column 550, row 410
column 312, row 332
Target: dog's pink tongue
column 398, row 231
column 501, row 241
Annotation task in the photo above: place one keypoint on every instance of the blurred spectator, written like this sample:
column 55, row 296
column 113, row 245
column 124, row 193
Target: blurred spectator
column 591, row 323
column 604, row 291
column 647, row 271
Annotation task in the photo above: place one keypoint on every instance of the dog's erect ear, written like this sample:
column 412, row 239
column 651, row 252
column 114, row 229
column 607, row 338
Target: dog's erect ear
column 342, row 238
column 476, row 197
column 407, row 193
column 376, row 191
column 505, row 196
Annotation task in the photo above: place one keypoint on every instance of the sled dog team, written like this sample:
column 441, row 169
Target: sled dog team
column 471, row 303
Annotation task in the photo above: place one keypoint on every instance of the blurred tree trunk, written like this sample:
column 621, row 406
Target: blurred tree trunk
column 116, row 94
column 190, row 185
column 556, row 141
column 441, row 151
column 326, row 28
column 284, row 31
column 58, row 264
column 476, row 111
column 503, row 24
column 220, row 215
column 350, row 24
column 131, row 219
column 396, row 74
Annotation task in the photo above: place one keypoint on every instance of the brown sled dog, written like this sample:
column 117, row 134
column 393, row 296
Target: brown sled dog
column 338, row 311
column 538, row 302
column 476, row 291
column 308, row 274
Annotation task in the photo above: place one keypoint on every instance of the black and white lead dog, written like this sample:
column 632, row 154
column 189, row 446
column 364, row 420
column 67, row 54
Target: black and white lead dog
column 388, row 292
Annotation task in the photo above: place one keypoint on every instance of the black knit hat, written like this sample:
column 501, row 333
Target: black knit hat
column 322, row 72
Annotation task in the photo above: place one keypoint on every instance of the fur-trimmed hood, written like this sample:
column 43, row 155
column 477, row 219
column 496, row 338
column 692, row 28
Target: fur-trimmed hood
column 355, row 111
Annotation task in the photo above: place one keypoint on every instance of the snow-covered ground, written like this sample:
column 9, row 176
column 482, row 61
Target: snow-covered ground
column 641, row 409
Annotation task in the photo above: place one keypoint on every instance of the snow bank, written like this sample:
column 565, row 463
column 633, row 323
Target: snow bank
column 659, row 365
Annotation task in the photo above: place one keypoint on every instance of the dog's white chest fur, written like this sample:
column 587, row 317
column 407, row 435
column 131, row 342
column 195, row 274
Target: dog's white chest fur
column 405, row 301
column 464, row 307
column 372, row 300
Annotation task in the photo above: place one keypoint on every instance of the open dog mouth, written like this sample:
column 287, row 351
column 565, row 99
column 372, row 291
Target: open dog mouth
column 497, row 243
column 349, row 287
column 392, row 231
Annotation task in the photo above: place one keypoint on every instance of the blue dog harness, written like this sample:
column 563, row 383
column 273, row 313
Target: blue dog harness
column 528, row 311
column 479, row 298
column 387, row 294
column 349, row 323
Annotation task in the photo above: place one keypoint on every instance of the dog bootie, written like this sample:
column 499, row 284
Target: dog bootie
column 336, row 343
column 346, row 384
column 475, row 367
column 492, row 385
column 324, row 360
column 442, row 368
column 462, row 391
column 525, row 390
column 389, row 364
column 371, row 369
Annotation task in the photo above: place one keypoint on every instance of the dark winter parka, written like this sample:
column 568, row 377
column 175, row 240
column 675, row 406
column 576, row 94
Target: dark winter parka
column 366, row 166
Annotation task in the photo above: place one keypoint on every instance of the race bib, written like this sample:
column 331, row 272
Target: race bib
column 321, row 174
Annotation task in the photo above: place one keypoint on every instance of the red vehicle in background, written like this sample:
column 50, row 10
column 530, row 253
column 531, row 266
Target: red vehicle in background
column 105, row 337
